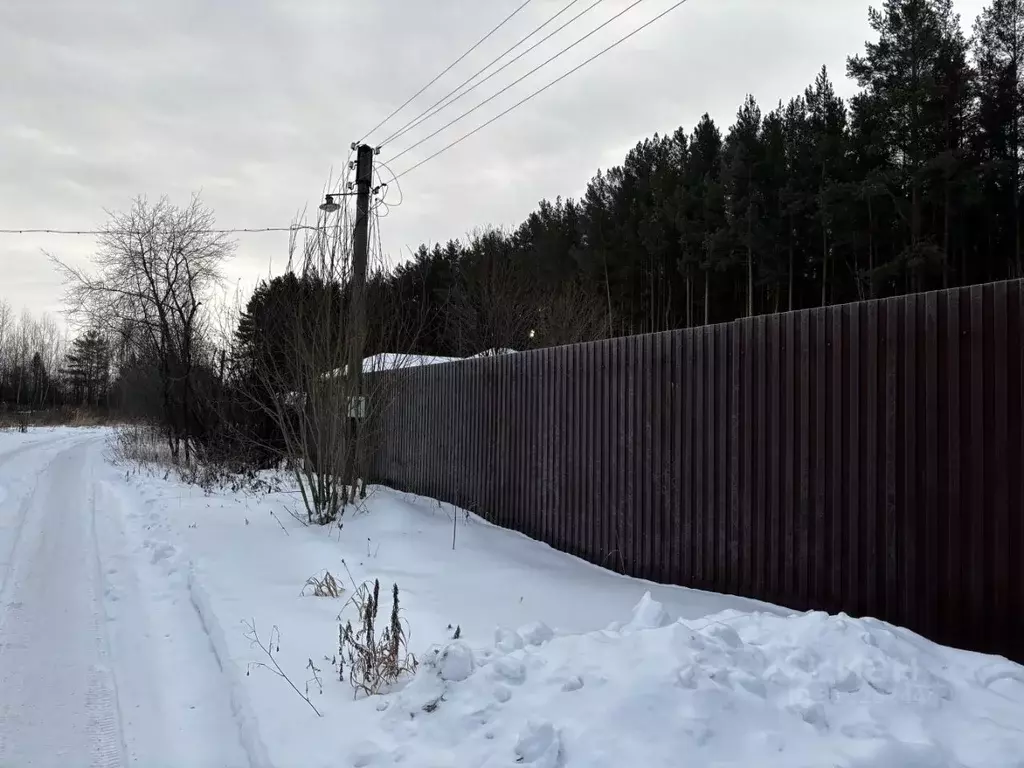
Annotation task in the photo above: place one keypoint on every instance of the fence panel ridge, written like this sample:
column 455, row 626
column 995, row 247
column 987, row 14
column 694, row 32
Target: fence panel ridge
column 866, row 458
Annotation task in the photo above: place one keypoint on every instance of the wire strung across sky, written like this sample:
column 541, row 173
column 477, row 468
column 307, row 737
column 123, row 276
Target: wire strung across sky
column 430, row 112
column 217, row 231
column 536, row 93
column 451, row 97
column 96, row 232
column 447, row 69
column 518, row 80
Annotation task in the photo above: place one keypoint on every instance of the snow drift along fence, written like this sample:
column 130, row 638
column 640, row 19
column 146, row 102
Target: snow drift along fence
column 866, row 458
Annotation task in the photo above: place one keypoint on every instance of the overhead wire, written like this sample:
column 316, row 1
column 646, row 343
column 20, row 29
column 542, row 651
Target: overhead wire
column 515, row 82
column 94, row 232
column 396, row 177
column 541, row 90
column 212, row 231
column 376, row 246
column 446, row 70
column 347, row 172
column 430, row 111
column 387, row 185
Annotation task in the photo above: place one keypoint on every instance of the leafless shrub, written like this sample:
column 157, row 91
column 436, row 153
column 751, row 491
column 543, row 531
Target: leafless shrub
column 375, row 660
column 301, row 373
column 293, row 375
column 492, row 304
column 269, row 649
column 137, row 445
column 142, row 446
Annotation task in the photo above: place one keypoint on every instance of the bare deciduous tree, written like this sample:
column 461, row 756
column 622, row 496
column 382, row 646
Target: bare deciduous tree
column 154, row 267
column 568, row 314
column 496, row 303
column 31, row 350
column 493, row 303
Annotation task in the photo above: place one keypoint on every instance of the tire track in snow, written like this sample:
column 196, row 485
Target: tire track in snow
column 242, row 711
column 106, row 721
column 24, row 504
column 163, row 578
column 58, row 703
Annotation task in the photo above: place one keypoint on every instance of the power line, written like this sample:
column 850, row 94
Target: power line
column 541, row 90
column 540, row 66
column 431, row 111
column 246, row 230
column 446, row 69
column 394, row 178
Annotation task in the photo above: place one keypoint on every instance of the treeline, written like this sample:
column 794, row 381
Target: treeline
column 41, row 369
column 913, row 184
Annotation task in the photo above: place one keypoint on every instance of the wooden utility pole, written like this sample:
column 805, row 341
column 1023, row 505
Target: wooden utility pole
column 357, row 307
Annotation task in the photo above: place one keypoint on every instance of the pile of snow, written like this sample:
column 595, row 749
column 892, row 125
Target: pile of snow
column 390, row 361
column 734, row 688
column 394, row 361
column 495, row 352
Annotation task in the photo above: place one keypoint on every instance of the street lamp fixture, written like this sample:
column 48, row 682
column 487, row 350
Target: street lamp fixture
column 330, row 205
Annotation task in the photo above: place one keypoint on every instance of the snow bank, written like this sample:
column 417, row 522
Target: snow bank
column 247, row 559
column 558, row 662
column 734, row 688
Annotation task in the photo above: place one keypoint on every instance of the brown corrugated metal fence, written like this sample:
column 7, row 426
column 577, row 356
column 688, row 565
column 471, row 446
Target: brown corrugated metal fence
column 866, row 458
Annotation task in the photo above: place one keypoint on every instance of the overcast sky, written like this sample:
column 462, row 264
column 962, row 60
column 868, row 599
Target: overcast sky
column 255, row 103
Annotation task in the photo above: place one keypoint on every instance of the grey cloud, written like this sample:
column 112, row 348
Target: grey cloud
column 256, row 103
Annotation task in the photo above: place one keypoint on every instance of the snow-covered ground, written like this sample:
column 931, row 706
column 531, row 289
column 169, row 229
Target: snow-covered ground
column 103, row 660
column 122, row 641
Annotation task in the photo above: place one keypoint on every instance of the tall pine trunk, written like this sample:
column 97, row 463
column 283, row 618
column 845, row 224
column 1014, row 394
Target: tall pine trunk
column 871, row 248
column 947, row 209
column 915, row 231
column 608, row 296
column 792, row 261
column 1015, row 147
column 824, row 265
column 750, row 263
column 707, row 297
column 689, row 300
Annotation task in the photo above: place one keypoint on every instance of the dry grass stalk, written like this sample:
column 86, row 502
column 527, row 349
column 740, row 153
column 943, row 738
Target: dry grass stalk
column 322, row 585
column 375, row 661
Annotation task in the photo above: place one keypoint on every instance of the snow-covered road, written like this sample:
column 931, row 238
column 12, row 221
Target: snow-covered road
column 103, row 659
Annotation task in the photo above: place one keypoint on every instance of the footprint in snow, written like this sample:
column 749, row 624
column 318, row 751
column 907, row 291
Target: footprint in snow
column 539, row 745
column 163, row 552
column 574, row 683
column 364, row 754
